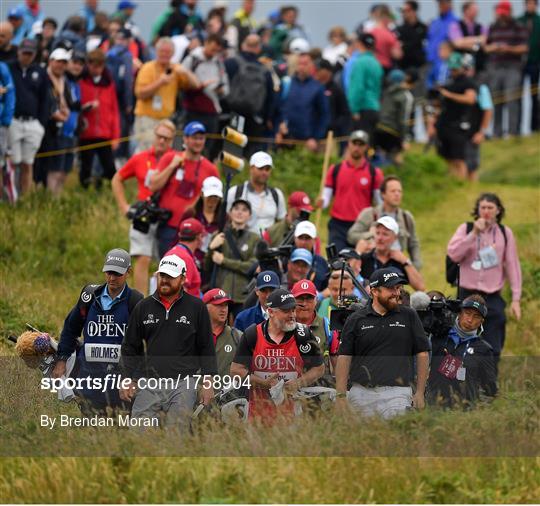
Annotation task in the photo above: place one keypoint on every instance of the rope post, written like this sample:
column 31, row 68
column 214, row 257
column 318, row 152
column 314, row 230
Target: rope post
column 327, row 153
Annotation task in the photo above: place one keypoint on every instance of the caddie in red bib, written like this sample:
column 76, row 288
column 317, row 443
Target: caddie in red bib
column 280, row 355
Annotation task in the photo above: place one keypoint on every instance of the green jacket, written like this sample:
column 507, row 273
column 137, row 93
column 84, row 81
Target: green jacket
column 397, row 103
column 232, row 273
column 278, row 231
column 532, row 22
column 365, row 84
column 226, row 344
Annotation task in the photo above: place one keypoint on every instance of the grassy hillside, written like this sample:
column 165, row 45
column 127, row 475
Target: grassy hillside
column 50, row 248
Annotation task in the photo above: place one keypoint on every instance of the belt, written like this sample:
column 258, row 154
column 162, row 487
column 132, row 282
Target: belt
column 25, row 118
column 479, row 292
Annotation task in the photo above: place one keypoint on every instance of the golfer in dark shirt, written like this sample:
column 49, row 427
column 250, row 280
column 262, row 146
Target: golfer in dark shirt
column 378, row 344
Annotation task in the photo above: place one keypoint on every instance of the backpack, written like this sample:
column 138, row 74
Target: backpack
column 242, row 187
column 248, row 88
column 337, row 168
column 452, row 268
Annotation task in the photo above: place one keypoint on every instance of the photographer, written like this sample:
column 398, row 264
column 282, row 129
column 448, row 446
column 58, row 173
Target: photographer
column 378, row 345
column 143, row 246
column 334, row 284
column 299, row 204
column 180, row 177
column 463, row 363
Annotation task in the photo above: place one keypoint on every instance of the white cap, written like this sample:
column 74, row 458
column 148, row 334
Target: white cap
column 172, row 265
column 389, row 223
column 212, row 186
column 60, row 54
column 305, row 228
column 220, row 4
column 261, row 159
column 299, row 45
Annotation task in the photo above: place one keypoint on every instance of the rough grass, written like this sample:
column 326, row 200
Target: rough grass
column 49, row 249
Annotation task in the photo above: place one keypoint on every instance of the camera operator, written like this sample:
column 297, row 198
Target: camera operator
column 378, row 345
column 463, row 363
column 233, row 251
column 387, row 253
column 267, row 282
column 142, row 247
column 334, row 284
column 299, row 204
column 180, row 176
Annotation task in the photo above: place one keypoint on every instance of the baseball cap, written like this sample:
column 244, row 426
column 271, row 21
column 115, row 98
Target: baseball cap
column 243, row 201
column 304, row 287
column 190, row 228
column 300, row 200
column 359, row 135
column 267, row 279
column 389, row 223
column 172, row 265
column 350, row 253
column 281, row 299
column 467, row 61
column 126, row 4
column 78, row 55
column 117, row 260
column 387, row 277
column 302, row 254
column 216, row 296
column 28, row 46
column 305, row 228
column 194, row 127
column 16, row 12
column 367, row 39
column 212, row 187
column 261, row 159
column 472, row 304
column 325, row 65
column 455, row 61
column 396, row 76
column 504, row 7
column 60, row 54
column 299, row 45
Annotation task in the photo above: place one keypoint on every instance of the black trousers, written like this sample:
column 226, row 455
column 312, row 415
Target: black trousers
column 105, row 156
column 337, row 233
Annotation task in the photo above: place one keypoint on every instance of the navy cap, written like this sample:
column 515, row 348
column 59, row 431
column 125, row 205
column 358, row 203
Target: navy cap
column 348, row 253
column 28, row 46
column 194, row 127
column 16, row 12
column 281, row 299
column 473, row 304
column 268, row 279
column 387, row 278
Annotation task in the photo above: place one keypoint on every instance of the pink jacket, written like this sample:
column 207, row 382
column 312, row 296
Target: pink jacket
column 463, row 249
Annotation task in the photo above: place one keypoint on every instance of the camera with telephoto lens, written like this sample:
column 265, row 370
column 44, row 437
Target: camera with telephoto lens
column 146, row 212
column 348, row 304
column 269, row 258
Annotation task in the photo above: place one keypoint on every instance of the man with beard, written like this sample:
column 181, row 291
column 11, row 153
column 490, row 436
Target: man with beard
column 378, row 345
column 169, row 337
column 276, row 351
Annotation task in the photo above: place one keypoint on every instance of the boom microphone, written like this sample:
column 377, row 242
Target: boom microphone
column 420, row 301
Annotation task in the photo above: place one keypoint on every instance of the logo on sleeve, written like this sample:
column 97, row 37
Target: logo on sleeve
column 305, row 348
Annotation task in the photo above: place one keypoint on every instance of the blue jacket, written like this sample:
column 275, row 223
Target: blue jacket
column 120, row 63
column 437, row 33
column 7, row 100
column 305, row 109
column 248, row 317
column 102, row 332
column 25, row 30
column 70, row 125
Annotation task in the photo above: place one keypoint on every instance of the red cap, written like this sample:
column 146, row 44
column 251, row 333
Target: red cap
column 190, row 228
column 216, row 296
column 300, row 200
column 504, row 7
column 304, row 287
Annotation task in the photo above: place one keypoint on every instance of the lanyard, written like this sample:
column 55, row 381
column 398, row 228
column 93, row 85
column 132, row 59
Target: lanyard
column 478, row 243
column 467, row 347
